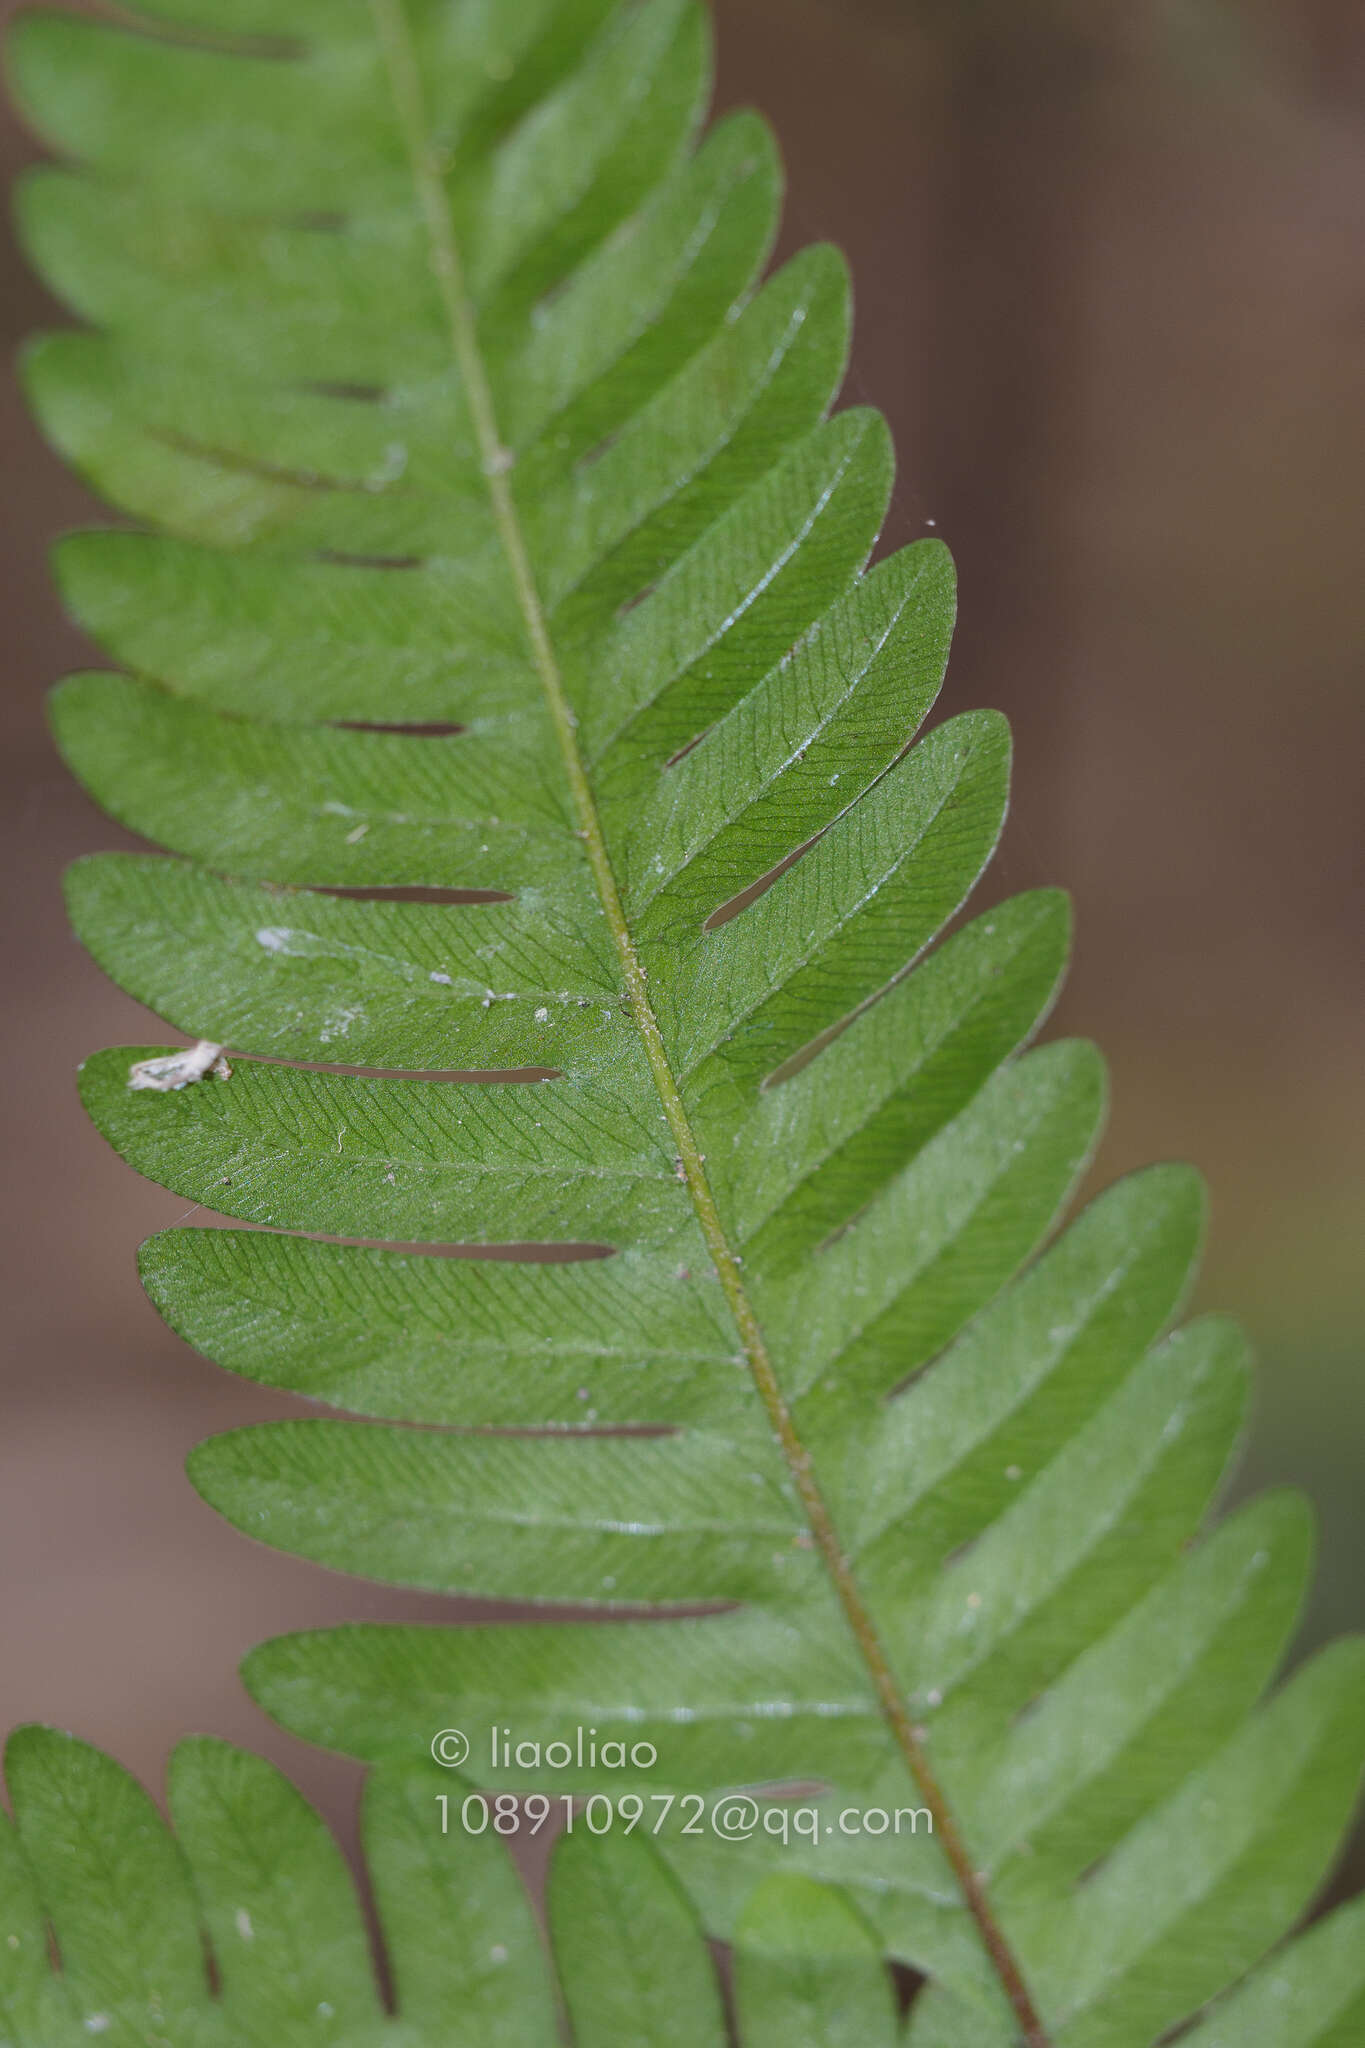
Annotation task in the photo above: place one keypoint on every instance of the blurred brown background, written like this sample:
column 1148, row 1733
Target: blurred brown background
column 1110, row 262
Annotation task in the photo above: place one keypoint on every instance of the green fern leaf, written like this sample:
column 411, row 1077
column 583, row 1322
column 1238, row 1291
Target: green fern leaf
column 497, row 549
column 243, row 1926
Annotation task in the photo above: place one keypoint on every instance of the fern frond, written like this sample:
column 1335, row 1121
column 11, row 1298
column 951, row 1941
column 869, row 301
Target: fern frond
column 243, row 1927
column 497, row 543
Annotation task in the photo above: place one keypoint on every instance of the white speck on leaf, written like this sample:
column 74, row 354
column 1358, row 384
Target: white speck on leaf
column 244, row 1926
column 390, row 469
column 338, row 1025
column 446, row 980
column 275, row 938
column 169, row 1071
column 354, row 838
column 542, row 1015
column 98, row 2023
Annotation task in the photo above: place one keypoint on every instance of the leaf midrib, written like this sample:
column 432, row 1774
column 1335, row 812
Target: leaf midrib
column 395, row 40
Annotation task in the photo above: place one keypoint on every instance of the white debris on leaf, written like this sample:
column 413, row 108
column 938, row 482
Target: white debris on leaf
column 170, row 1070
column 390, row 469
